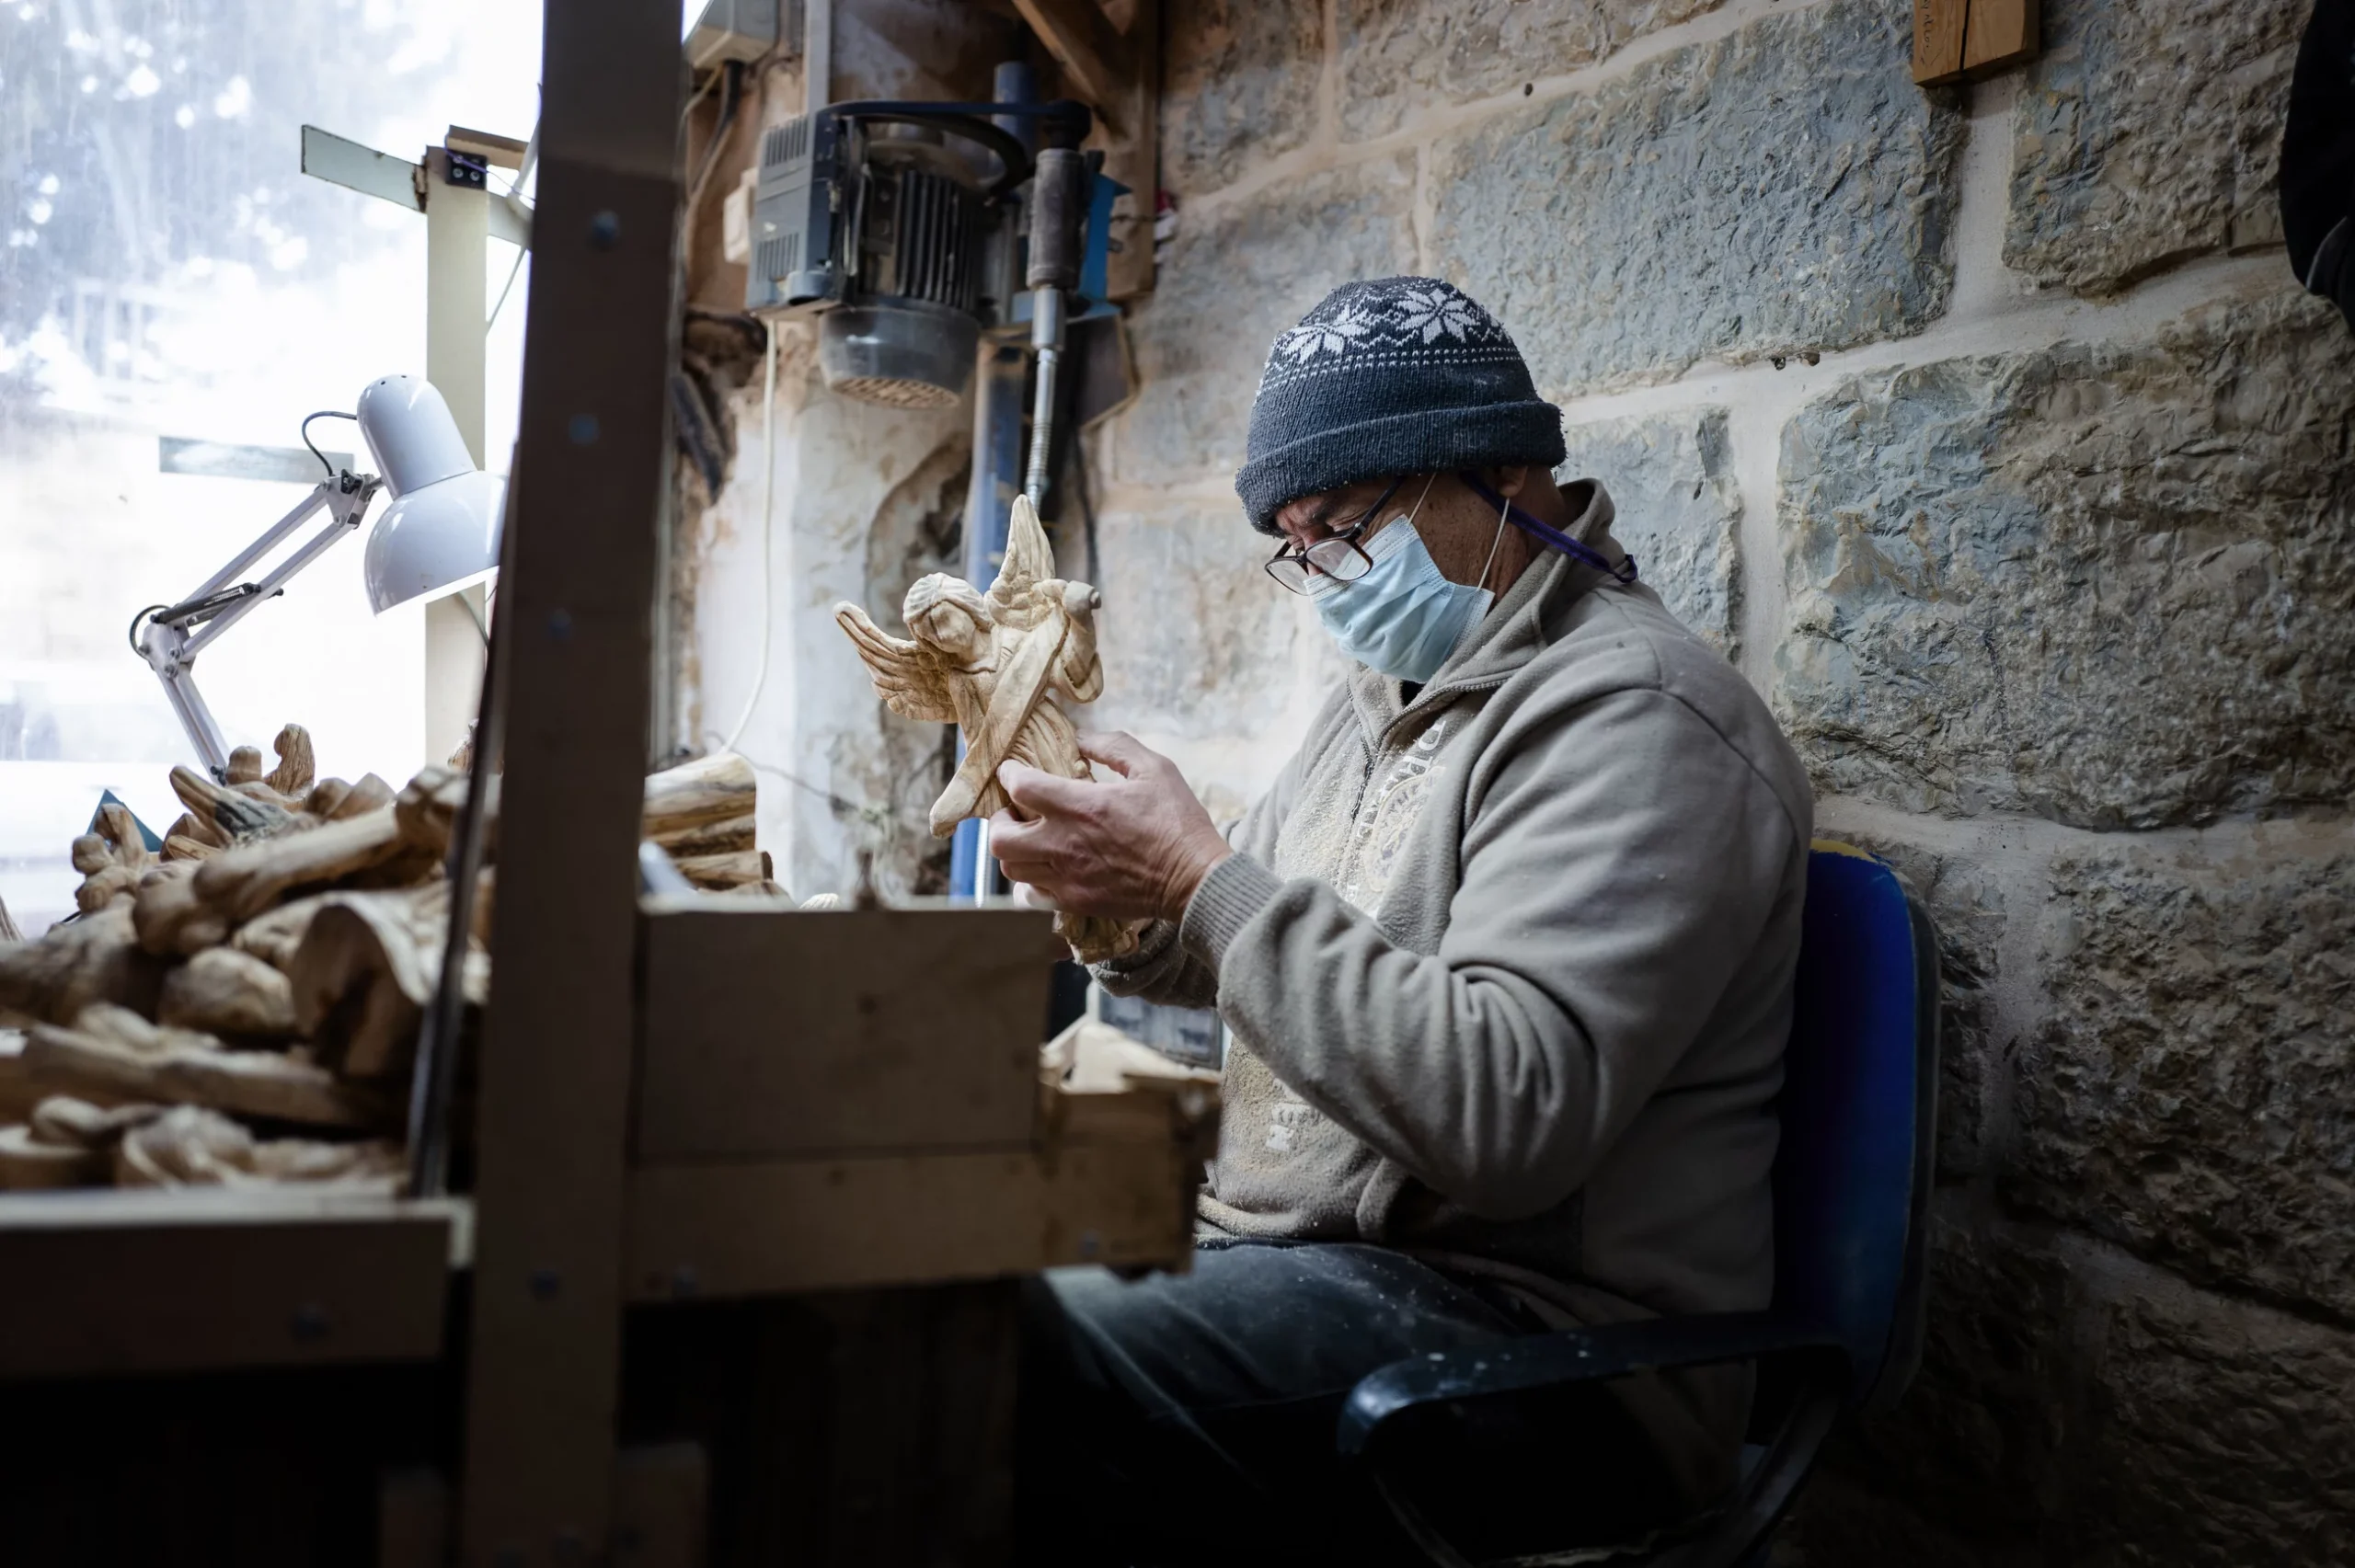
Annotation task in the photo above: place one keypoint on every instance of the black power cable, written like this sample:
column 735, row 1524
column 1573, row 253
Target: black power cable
column 324, row 413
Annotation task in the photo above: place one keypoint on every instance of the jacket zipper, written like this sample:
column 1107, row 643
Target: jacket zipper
column 1452, row 690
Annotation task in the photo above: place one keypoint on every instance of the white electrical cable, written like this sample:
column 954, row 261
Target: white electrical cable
column 768, row 495
column 504, row 290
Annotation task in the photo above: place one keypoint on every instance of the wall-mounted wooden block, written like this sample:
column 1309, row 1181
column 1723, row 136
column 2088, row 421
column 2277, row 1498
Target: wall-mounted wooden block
column 1999, row 35
column 1937, row 40
column 1957, row 40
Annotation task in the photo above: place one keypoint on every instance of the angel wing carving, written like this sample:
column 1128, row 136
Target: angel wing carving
column 912, row 679
column 1014, row 598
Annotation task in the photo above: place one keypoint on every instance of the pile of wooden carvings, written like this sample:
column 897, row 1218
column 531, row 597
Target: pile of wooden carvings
column 245, row 1006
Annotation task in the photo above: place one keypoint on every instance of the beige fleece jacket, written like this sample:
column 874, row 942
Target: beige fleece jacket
column 1508, row 971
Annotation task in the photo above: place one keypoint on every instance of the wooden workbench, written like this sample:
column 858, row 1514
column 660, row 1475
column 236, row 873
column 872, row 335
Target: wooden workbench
column 773, row 1173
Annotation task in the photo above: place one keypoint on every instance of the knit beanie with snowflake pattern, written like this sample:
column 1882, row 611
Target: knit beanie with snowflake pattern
column 1398, row 375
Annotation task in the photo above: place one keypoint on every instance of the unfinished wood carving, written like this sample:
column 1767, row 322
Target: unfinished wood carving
column 27, row 1164
column 189, row 1146
column 297, row 763
column 332, row 800
column 111, row 858
column 64, row 1122
column 365, row 971
column 992, row 664
column 18, row 1093
column 112, row 1055
column 273, row 963
column 96, row 958
column 273, row 937
column 233, row 994
column 225, row 813
column 66, row 1143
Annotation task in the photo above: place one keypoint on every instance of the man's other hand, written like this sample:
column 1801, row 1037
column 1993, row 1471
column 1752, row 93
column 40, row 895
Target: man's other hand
column 1130, row 848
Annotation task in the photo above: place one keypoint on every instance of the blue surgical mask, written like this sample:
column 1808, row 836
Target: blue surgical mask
column 1402, row 618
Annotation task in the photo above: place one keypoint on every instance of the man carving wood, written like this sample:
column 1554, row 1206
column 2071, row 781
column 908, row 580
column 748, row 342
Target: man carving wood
column 1506, row 957
column 989, row 664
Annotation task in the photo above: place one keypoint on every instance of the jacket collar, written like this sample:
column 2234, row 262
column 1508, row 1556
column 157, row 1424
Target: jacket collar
column 1514, row 630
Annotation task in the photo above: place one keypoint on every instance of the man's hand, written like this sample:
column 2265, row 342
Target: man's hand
column 1131, row 848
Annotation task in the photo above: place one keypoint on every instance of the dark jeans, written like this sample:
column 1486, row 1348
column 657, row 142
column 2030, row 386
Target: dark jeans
column 1190, row 1418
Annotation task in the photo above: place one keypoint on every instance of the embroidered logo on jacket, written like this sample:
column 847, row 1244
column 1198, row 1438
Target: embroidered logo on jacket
column 1387, row 816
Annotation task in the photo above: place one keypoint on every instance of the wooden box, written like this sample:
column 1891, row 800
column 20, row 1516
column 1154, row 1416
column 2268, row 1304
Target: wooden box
column 769, row 1033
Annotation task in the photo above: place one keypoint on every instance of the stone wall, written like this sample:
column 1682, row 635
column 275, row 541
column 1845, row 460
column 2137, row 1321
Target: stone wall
column 824, row 499
column 1984, row 431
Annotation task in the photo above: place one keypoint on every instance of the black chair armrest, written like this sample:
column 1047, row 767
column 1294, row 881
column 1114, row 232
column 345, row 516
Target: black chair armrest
column 1552, row 1360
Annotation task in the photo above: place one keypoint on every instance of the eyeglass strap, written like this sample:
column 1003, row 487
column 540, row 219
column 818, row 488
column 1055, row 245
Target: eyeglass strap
column 1623, row 570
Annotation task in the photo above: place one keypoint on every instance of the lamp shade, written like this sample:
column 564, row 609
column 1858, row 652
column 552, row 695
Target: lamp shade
column 441, row 534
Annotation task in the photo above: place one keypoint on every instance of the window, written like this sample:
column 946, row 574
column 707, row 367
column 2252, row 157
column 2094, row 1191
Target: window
column 167, row 270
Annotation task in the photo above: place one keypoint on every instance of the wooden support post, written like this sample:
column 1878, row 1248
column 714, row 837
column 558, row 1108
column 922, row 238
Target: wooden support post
column 591, row 469
column 457, row 298
column 1097, row 63
column 457, row 241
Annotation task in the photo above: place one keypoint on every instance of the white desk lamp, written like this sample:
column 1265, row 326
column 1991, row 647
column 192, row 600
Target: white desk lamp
column 440, row 535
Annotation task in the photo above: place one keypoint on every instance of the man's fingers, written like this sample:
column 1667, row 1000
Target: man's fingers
column 1010, row 835
column 1041, row 793
column 1119, row 750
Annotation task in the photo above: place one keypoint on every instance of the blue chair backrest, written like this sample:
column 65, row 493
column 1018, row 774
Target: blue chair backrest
column 1859, row 1106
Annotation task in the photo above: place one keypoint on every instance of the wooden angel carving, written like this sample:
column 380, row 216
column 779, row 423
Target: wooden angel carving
column 991, row 664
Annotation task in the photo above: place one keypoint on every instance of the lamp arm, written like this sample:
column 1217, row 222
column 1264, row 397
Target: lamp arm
column 188, row 706
column 175, row 633
column 347, row 510
column 322, row 495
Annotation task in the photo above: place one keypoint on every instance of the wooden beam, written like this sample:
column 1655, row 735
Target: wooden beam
column 500, row 152
column 1097, row 63
column 727, row 1229
column 2000, row 35
column 1938, row 27
column 592, row 472
column 1110, row 57
column 113, row 1282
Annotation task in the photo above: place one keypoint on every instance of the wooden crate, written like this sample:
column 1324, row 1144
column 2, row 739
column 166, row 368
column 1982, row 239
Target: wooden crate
column 770, row 1032
column 1109, row 1179
column 891, row 1126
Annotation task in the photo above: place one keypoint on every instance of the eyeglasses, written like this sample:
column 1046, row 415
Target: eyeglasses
column 1333, row 560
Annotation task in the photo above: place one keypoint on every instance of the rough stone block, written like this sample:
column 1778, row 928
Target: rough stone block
column 2227, row 1437
column 1980, row 1439
column 1838, row 1523
column 2111, row 584
column 2149, row 131
column 1235, row 277
column 2072, row 1408
column 1401, row 55
column 1966, row 902
column 1672, row 478
column 1240, row 84
column 1784, row 188
column 1197, row 641
column 2192, row 1092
